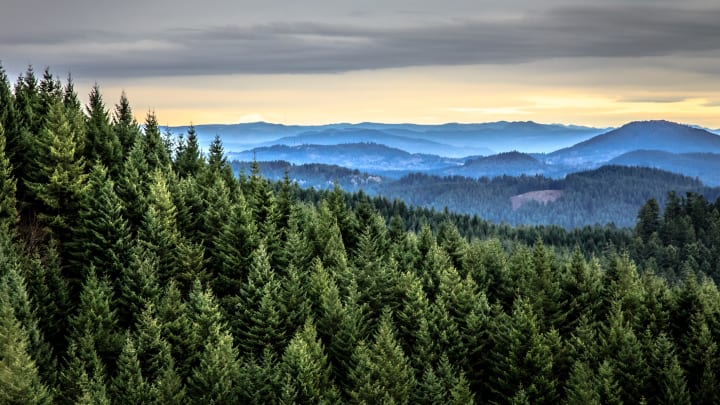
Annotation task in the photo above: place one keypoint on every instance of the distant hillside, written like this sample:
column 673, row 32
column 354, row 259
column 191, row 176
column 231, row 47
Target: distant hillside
column 370, row 157
column 314, row 175
column 704, row 166
column 610, row 194
column 336, row 136
column 657, row 135
column 462, row 139
column 508, row 163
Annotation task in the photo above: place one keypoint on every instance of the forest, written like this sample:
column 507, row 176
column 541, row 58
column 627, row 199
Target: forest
column 136, row 269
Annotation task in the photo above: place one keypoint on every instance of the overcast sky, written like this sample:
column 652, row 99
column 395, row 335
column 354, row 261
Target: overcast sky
column 317, row 61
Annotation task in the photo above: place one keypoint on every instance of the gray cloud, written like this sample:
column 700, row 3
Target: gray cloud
column 607, row 31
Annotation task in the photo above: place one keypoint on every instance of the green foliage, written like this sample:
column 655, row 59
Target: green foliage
column 156, row 281
column 382, row 373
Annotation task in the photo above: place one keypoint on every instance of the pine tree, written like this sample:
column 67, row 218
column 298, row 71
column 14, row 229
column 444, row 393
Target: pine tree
column 153, row 146
column 14, row 292
column 95, row 321
column 701, row 361
column 258, row 325
column 233, row 246
column 178, row 329
column 217, row 164
column 138, row 286
column 581, row 387
column 49, row 291
column 382, row 373
column 129, row 386
column 20, row 381
column 648, row 220
column 102, row 144
column 306, row 368
column 126, row 129
column 667, row 384
column 159, row 232
column 523, row 357
column 101, row 238
column 624, row 351
column 189, row 160
column 21, row 147
column 215, row 379
column 60, row 173
column 133, row 187
column 8, row 186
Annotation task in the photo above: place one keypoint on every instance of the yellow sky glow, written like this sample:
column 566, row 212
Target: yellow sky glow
column 422, row 95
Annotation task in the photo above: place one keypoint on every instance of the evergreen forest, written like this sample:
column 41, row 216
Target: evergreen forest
column 134, row 268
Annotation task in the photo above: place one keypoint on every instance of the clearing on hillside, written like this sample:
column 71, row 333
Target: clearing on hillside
column 541, row 196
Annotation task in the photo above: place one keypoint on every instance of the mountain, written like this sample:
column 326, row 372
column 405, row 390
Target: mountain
column 370, row 157
column 640, row 135
column 336, row 136
column 504, row 136
column 509, row 163
column 452, row 140
column 704, row 166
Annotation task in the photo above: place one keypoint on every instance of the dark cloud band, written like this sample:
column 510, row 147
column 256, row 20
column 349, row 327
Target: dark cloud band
column 566, row 32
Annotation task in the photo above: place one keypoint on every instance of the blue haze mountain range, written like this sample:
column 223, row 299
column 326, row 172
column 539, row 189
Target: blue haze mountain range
column 474, row 150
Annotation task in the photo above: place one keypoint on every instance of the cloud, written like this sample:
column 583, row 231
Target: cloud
column 605, row 31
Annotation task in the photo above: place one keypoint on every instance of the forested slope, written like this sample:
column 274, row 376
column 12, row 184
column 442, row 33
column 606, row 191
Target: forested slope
column 130, row 274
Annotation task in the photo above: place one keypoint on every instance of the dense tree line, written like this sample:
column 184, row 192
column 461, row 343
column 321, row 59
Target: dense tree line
column 610, row 194
column 135, row 269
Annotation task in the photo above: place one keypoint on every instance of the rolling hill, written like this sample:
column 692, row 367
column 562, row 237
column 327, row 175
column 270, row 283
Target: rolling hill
column 337, row 136
column 640, row 135
column 508, row 163
column 369, row 157
column 704, row 166
column 452, row 140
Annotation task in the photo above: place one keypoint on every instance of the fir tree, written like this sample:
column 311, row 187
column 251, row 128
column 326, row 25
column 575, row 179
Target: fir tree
column 382, row 373
column 126, row 129
column 20, row 381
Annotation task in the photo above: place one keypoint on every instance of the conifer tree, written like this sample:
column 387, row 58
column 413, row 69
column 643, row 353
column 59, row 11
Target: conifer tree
column 159, row 232
column 668, row 385
column 133, row 187
column 624, row 351
column 189, row 160
column 701, row 361
column 258, row 325
column 101, row 144
column 60, row 173
column 178, row 329
column 101, row 238
column 48, row 290
column 382, row 373
column 138, row 286
column 233, row 246
column 126, row 129
column 21, row 147
column 581, row 386
column 8, row 187
column 94, row 325
column 306, row 368
column 217, row 164
column 7, row 105
column 153, row 146
column 14, row 292
column 215, row 379
column 523, row 357
column 20, row 381
column 129, row 386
